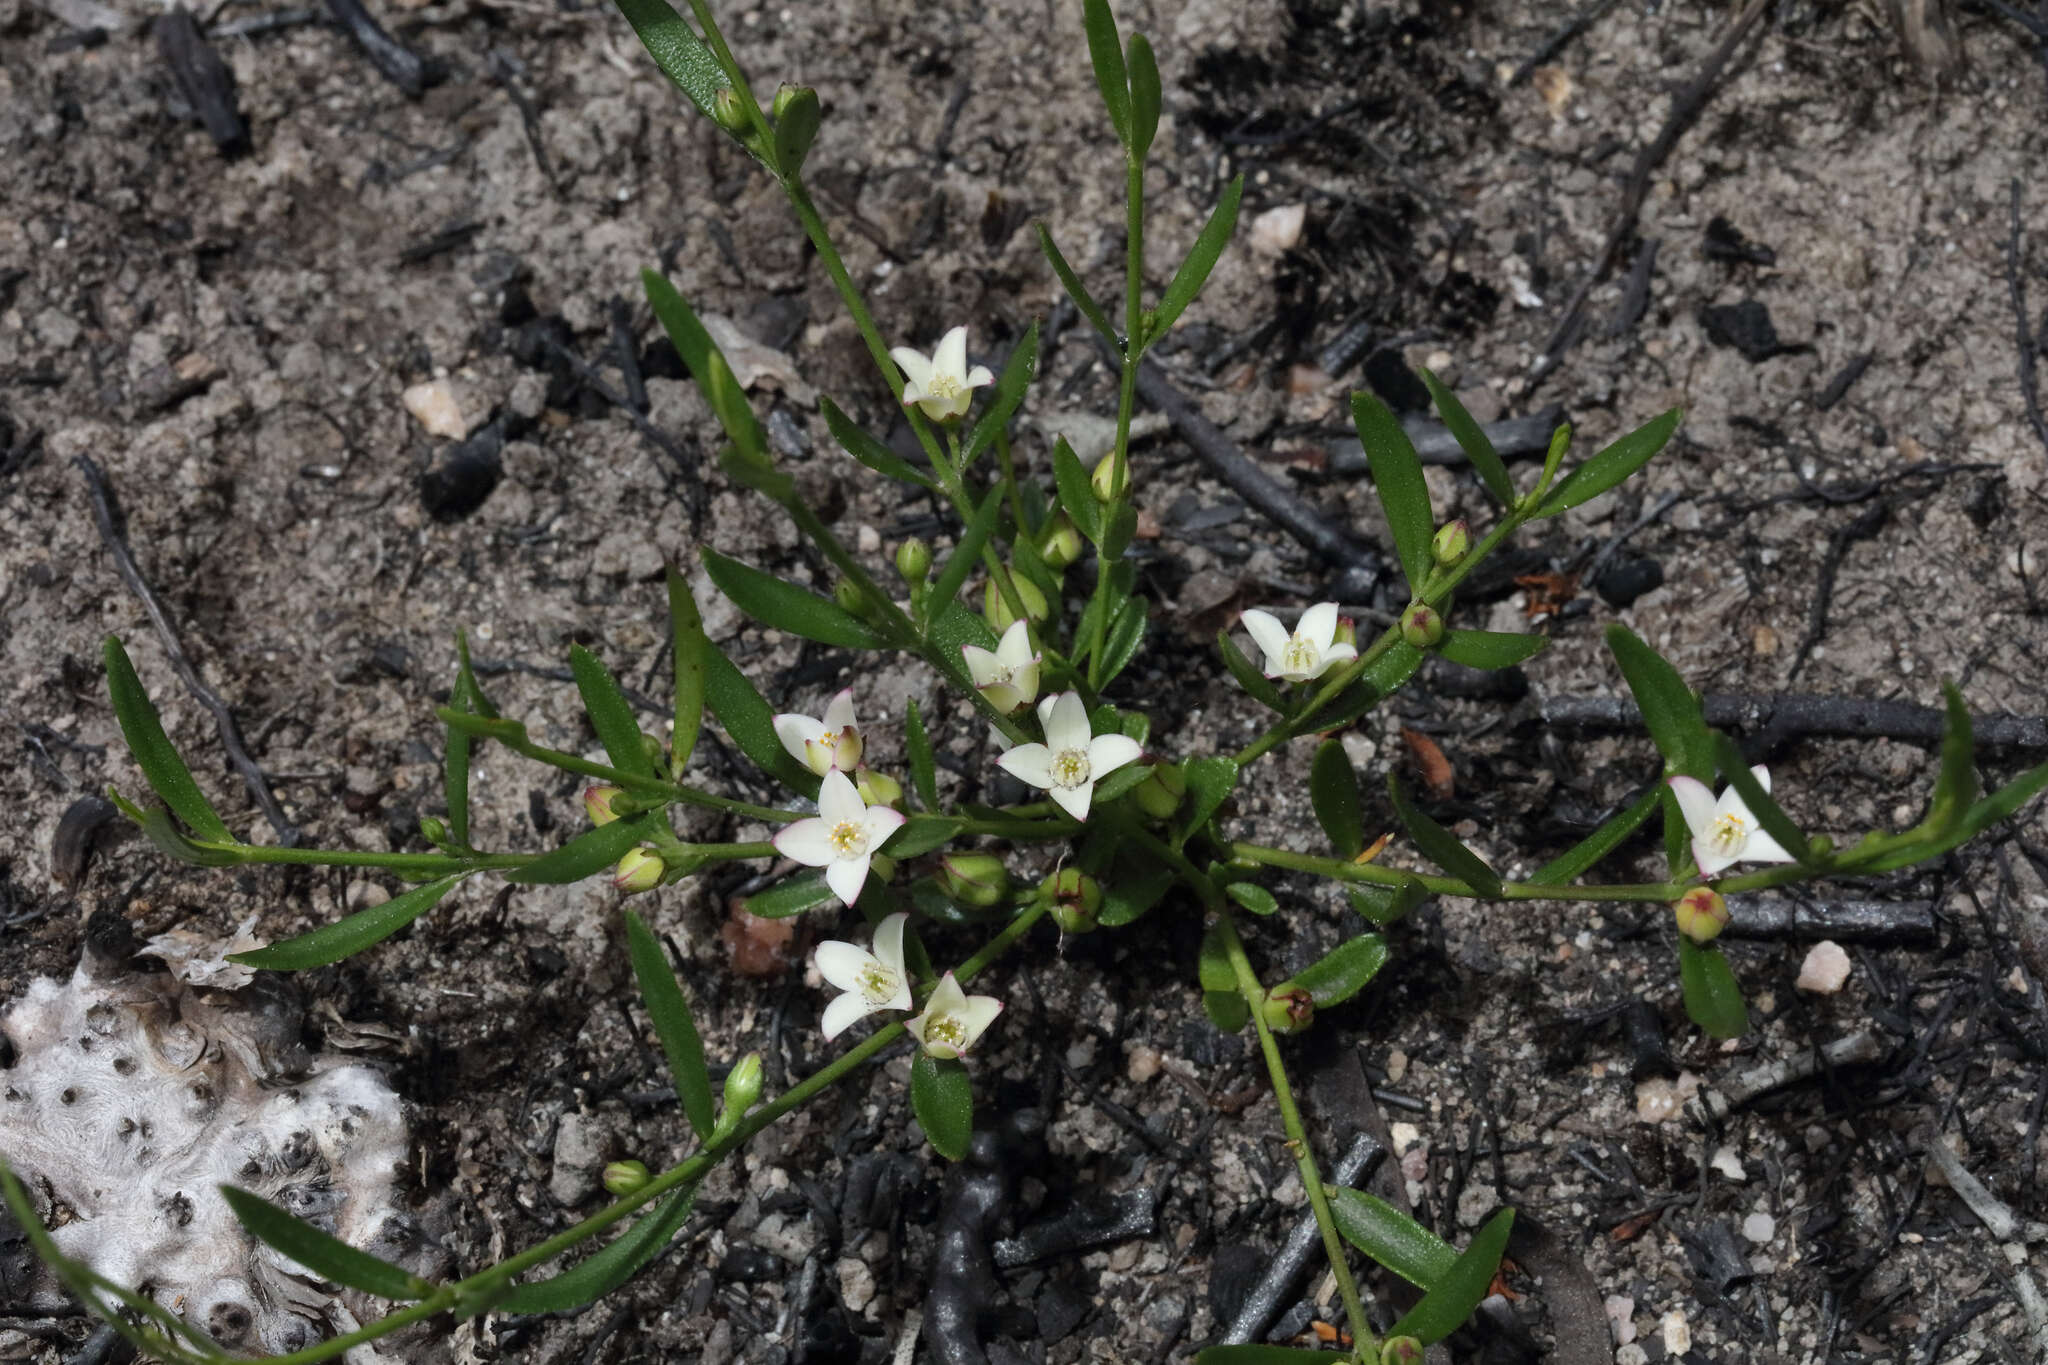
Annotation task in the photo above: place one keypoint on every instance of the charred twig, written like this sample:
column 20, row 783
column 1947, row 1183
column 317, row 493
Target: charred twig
column 505, row 70
column 1635, row 293
column 1877, row 924
column 398, row 63
column 1514, row 438
column 2029, row 344
column 202, row 80
column 445, row 238
column 106, row 516
column 1284, row 1273
column 1844, row 379
column 1856, row 1049
column 1866, row 526
column 627, row 352
column 1557, row 42
column 1783, row 717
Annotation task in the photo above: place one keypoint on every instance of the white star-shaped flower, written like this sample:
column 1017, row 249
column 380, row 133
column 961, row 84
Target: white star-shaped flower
column 1008, row 677
column 842, row 837
column 1309, row 652
column 952, row 1020
column 942, row 384
column 871, row 980
column 1724, row 832
column 822, row 745
column 1072, row 759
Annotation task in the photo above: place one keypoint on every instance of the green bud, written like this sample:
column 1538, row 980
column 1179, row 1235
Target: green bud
column 1347, row 632
column 1105, row 471
column 656, row 751
column 997, row 611
column 876, row 789
column 913, row 560
column 1701, row 914
column 730, row 113
column 1289, row 1008
column 597, row 803
column 1421, row 626
column 1060, row 543
column 742, row 1087
column 1401, row 1351
column 850, row 598
column 434, row 829
column 980, row 881
column 1159, row 795
column 1452, row 542
column 638, row 871
column 785, row 95
column 1076, row 900
column 625, row 1177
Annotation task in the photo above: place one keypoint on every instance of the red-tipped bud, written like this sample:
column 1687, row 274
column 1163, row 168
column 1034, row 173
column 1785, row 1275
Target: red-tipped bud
column 1401, row 1351
column 1076, row 900
column 980, row 881
column 1701, row 914
column 1289, row 1008
column 597, row 802
column 1452, row 542
column 1421, row 625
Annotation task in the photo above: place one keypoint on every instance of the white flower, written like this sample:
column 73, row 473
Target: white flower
column 952, row 1019
column 1724, row 832
column 1072, row 759
column 871, row 981
column 940, row 385
column 1309, row 652
column 1009, row 676
column 822, row 745
column 842, row 837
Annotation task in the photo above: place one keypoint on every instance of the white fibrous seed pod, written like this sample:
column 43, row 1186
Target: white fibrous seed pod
column 130, row 1097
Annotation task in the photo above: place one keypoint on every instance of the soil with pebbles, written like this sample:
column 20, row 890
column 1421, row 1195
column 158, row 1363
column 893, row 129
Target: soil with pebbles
column 230, row 339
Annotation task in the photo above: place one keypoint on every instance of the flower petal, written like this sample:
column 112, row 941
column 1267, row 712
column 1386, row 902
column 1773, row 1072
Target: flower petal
column 1073, row 800
column 839, row 712
column 1045, row 711
column 796, row 731
column 1762, row 848
column 889, row 950
column 846, row 876
column 1336, row 656
column 981, row 665
column 839, row 800
column 842, row 1013
column 1695, row 800
column 917, row 371
column 1030, row 763
column 1014, row 649
column 951, row 356
column 946, row 997
column 1003, row 696
column 1024, row 677
column 1268, row 634
column 1762, row 776
column 1067, row 726
column 881, row 823
column 1319, row 625
column 1107, row 753
column 1710, row 862
column 843, row 964
column 978, row 376
column 976, row 1013
column 807, row 841
column 1731, row 803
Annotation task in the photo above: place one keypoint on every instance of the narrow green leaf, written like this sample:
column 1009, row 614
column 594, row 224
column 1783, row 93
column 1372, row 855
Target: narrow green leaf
column 707, row 365
column 1106, row 54
column 1253, row 897
column 1126, row 634
column 328, row 1257
column 677, row 50
column 967, row 553
column 663, row 997
column 162, row 831
column 1344, row 971
column 1077, row 494
column 796, row 128
column 1028, row 563
column 2006, row 800
column 943, row 1100
column 739, row 708
column 585, row 855
column 1579, row 859
column 1226, row 1010
column 349, row 936
column 1133, row 891
column 692, row 651
column 154, row 753
column 1441, row 846
column 1145, row 100
column 1333, row 791
column 1713, row 997
column 1392, row 1238
column 1397, row 479
column 1210, row 781
column 1768, row 813
column 922, row 834
column 773, row 602
column 1212, row 962
column 1670, row 710
column 611, row 715
column 1385, row 905
column 1201, row 259
column 456, row 755
column 483, row 727
column 924, row 773
column 1119, row 528
column 1612, row 465
column 1256, row 684
column 1382, row 678
column 1122, row 782
column 1018, row 372
column 1956, row 788
column 955, row 625
column 1490, row 649
column 600, row 1273
column 855, row 441
column 1261, row 1355
column 1458, row 1291
column 1076, row 290
column 805, row 891
column 1471, row 439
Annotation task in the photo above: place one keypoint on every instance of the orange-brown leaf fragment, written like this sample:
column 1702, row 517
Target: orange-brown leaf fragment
column 759, row 947
column 1430, row 764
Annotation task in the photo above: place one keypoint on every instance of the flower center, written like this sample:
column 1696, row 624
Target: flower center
column 1300, row 656
column 942, row 386
column 1070, row 768
column 947, row 1030
column 878, row 984
column 849, row 839
column 999, row 676
column 1729, row 834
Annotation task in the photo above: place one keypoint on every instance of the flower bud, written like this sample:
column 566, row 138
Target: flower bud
column 742, row 1087
column 638, row 871
column 1452, row 542
column 625, row 1177
column 785, row 95
column 997, row 610
column 1421, row 626
column 434, row 829
column 850, row 598
column 876, row 789
column 1060, row 544
column 597, row 803
column 1105, row 471
column 1347, row 632
column 1076, row 900
column 656, row 751
column 1401, row 1351
column 1701, row 914
column 913, row 560
column 980, row 881
column 730, row 113
column 1159, row 795
column 1289, row 1008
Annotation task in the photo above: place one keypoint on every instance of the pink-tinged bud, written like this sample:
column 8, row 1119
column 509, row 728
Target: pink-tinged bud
column 1076, row 900
column 1701, row 914
column 876, row 789
column 1401, row 1351
column 1452, row 542
column 995, row 608
column 597, row 802
column 1060, row 544
column 980, row 881
column 1160, row 794
column 626, row 1177
column 1289, row 1008
column 638, row 871
column 1347, row 632
column 1421, row 626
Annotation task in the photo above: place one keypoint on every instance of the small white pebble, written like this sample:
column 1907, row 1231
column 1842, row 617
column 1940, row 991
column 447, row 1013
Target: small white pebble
column 1825, row 970
column 1277, row 230
column 1728, row 1164
column 1659, row 1100
column 868, row 539
column 440, row 407
column 1621, row 1318
column 1143, row 1064
column 1677, row 1333
column 1397, row 1060
column 1759, row 1228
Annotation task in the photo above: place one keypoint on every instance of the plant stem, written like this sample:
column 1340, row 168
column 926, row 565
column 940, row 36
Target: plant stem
column 1127, row 397
column 1339, row 869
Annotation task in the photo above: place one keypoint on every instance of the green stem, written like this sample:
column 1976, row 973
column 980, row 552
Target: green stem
column 1339, row 869
column 1127, row 397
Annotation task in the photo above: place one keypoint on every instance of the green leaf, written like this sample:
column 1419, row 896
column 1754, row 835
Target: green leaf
column 1397, row 479
column 1122, row 782
column 599, row 1274
column 805, row 891
column 1018, row 372
column 1126, row 634
column 1252, row 897
column 465, row 696
column 677, row 50
column 1392, row 1238
column 611, row 715
column 1580, row 857
column 1201, row 259
column 2003, row 802
column 922, row 834
column 953, row 625
column 917, row 746
column 162, row 831
column 967, row 553
column 692, row 649
column 1612, row 465
column 349, row 936
column 1106, row 54
column 858, row 443
column 1384, row 905
column 1441, row 846
column 1471, row 439
column 739, row 708
column 585, row 855
column 1076, row 290
column 1768, row 813
column 943, row 1100
column 1490, row 649
column 753, row 465
column 1344, row 971
column 1333, row 791
column 773, row 602
column 154, row 753
column 1458, row 1291
column 1226, row 1010
column 328, row 1257
column 1256, row 684
column 1119, row 526
column 796, row 128
column 1133, row 891
column 1956, row 788
column 1261, row 1355
column 1713, row 997
column 1077, row 493
column 1144, row 74
column 1210, row 780
column 1670, row 710
column 663, row 997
